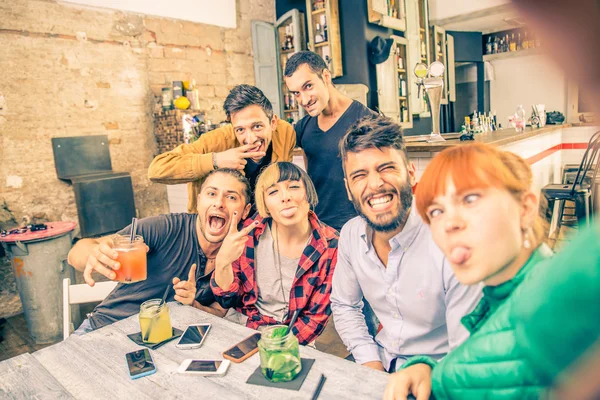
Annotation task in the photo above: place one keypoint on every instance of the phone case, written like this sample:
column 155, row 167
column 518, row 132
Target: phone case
column 239, row 360
column 182, row 370
column 137, row 376
column 142, row 374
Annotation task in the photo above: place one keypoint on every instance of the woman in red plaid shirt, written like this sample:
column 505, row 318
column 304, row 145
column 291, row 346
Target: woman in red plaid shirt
column 282, row 261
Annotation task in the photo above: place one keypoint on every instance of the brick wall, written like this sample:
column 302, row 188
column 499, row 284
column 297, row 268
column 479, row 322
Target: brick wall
column 66, row 70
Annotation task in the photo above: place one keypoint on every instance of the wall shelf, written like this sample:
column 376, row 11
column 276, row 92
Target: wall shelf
column 379, row 13
column 331, row 49
column 512, row 54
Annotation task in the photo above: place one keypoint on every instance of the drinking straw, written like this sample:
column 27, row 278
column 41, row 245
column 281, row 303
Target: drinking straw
column 319, row 387
column 293, row 321
column 133, row 229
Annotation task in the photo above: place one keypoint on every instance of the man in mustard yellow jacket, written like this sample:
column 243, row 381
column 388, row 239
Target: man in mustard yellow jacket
column 254, row 139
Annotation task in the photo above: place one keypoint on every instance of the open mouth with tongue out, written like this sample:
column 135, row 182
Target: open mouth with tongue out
column 217, row 224
column 459, row 255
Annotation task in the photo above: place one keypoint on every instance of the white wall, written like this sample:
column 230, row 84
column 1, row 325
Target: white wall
column 526, row 80
column 213, row 12
column 440, row 9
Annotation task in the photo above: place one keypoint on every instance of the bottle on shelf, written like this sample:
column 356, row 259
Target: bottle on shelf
column 495, row 46
column 519, row 42
column 475, row 122
column 488, row 46
column 402, row 85
column 506, row 43
column 513, row 43
column 319, row 34
column 324, row 26
column 423, row 47
column 520, row 119
column 526, row 41
column 403, row 112
column 286, row 105
column 399, row 59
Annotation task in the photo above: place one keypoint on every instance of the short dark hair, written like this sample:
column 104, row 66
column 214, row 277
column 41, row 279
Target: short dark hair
column 372, row 131
column 243, row 96
column 313, row 60
column 237, row 175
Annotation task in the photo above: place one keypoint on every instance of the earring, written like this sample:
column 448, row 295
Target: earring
column 526, row 241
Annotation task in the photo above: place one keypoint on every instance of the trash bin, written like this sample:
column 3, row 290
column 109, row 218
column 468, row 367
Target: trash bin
column 39, row 264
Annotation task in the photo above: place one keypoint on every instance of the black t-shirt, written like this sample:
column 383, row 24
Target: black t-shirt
column 174, row 247
column 325, row 165
column 253, row 169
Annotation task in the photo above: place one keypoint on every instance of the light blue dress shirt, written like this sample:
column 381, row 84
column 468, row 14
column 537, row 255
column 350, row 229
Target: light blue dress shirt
column 416, row 298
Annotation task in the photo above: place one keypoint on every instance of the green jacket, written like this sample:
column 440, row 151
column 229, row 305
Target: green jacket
column 561, row 319
column 490, row 364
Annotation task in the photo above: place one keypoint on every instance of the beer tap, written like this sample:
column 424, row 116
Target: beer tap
column 429, row 79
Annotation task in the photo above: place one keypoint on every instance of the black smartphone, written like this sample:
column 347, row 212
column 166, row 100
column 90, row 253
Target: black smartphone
column 140, row 363
column 243, row 349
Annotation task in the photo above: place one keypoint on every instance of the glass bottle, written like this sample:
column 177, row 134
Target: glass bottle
column 513, row 43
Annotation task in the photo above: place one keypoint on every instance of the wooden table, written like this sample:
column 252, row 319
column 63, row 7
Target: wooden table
column 93, row 366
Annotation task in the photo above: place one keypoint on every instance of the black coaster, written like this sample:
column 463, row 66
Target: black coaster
column 257, row 378
column 137, row 338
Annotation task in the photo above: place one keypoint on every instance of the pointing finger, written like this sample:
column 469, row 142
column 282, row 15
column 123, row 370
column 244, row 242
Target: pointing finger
column 192, row 274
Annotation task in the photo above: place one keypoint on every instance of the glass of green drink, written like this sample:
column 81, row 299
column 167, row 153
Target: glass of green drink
column 279, row 354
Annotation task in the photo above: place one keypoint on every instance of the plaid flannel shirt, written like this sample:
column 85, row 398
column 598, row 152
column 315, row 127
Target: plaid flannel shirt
column 311, row 287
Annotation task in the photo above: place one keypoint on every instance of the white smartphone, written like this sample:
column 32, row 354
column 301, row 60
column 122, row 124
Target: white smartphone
column 193, row 337
column 204, row 367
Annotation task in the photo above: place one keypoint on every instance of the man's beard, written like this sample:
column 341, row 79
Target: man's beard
column 406, row 198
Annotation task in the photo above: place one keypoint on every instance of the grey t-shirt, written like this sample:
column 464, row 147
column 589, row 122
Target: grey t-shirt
column 174, row 247
column 273, row 289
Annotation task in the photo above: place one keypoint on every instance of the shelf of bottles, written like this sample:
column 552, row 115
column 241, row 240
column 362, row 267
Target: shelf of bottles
column 438, row 53
column 290, row 43
column 423, row 31
column 388, row 13
column 522, row 41
column 402, row 72
column 324, row 33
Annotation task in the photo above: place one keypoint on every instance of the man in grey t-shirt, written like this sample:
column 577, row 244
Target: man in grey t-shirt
column 175, row 242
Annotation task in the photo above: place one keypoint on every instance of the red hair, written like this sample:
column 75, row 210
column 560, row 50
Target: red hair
column 473, row 166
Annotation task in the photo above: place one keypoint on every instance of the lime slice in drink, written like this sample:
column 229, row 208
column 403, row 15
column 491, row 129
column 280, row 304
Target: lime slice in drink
column 282, row 363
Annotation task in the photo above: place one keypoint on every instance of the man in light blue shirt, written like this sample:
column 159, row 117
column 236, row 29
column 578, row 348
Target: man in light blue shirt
column 387, row 256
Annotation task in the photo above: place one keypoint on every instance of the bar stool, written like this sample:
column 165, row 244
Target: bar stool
column 580, row 191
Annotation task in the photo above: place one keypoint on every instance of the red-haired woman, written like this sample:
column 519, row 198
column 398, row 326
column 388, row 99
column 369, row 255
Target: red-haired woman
column 484, row 216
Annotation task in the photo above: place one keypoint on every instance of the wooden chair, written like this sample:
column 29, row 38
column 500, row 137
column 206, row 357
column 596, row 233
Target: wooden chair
column 80, row 294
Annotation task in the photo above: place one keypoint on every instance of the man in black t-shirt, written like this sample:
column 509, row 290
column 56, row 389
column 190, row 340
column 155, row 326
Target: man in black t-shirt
column 330, row 114
column 175, row 243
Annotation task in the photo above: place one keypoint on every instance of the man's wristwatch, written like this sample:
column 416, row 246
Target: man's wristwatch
column 214, row 158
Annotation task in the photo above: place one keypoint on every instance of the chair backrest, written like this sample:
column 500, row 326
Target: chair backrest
column 588, row 160
column 79, row 294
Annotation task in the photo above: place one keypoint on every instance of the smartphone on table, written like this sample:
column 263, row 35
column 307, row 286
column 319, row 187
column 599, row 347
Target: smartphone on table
column 243, row 349
column 193, row 337
column 140, row 363
column 204, row 367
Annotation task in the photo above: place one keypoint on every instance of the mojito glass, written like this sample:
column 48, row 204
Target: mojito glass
column 279, row 354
